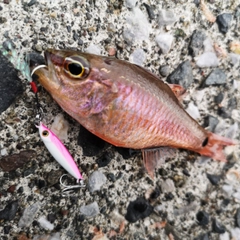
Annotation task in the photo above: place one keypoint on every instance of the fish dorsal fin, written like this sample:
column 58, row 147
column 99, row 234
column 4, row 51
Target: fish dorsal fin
column 155, row 157
column 178, row 90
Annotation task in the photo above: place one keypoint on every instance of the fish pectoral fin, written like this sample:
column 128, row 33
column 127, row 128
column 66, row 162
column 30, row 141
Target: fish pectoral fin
column 155, row 157
column 178, row 90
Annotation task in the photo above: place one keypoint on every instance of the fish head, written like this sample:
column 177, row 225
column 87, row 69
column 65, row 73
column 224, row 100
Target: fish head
column 78, row 82
column 64, row 68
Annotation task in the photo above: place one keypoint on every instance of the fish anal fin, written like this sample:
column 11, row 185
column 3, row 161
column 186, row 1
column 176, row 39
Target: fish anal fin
column 155, row 157
column 178, row 90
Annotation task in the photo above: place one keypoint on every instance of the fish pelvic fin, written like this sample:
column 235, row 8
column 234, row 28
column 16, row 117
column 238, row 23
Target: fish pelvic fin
column 155, row 157
column 214, row 145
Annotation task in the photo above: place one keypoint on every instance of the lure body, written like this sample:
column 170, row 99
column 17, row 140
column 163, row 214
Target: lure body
column 59, row 151
column 124, row 104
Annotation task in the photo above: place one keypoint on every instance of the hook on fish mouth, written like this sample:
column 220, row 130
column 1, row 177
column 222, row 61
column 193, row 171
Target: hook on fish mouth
column 38, row 67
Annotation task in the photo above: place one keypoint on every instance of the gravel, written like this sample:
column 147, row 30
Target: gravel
column 129, row 33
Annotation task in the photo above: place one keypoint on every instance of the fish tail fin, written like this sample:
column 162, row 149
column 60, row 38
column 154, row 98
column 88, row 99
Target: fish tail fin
column 214, row 145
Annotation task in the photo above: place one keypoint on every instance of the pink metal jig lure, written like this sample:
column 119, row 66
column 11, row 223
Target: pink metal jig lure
column 59, row 151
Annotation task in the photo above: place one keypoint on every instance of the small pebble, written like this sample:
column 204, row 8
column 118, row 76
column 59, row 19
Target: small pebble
column 137, row 57
column 164, row 41
column 216, row 77
column 223, row 112
column 138, row 209
column 186, row 209
column 104, row 160
column 51, row 217
column 3, row 152
column 196, row 44
column 31, row 3
column 54, row 176
column 169, row 196
column 164, row 70
column 112, row 51
column 38, row 48
column 68, row 28
column 111, row 27
column 90, row 210
column 166, row 17
column 193, row 111
column 236, row 196
column 44, row 223
column 224, row 22
column 9, row 212
column 224, row 236
column 235, row 47
column 211, row 122
column 150, row 11
column 186, row 172
column 214, row 179
column 3, row 20
column 35, row 58
column 96, row 180
column 235, row 232
column 228, row 189
column 75, row 36
column 6, row 229
column 60, row 127
column 11, row 189
column 80, row 42
column 190, row 197
column 203, row 218
column 130, row 3
column 208, row 45
column 94, row 49
column 219, row 98
column 14, row 161
column 168, row 185
column 218, row 227
column 207, row 59
column 237, row 217
column 53, row 236
column 137, row 27
column 88, row 16
column 203, row 236
column 29, row 215
column 197, row 2
column 182, row 75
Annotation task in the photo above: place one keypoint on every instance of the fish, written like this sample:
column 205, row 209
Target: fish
column 59, row 151
column 125, row 105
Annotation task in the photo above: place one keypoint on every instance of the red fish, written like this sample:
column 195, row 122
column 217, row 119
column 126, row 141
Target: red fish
column 125, row 105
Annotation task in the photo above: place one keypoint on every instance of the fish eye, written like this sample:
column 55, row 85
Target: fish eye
column 76, row 67
column 45, row 133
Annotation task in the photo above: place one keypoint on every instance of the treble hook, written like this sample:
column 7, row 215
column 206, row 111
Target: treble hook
column 80, row 184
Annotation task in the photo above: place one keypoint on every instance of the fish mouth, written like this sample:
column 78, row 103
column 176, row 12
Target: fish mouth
column 47, row 74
